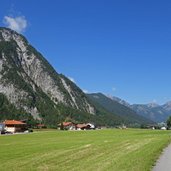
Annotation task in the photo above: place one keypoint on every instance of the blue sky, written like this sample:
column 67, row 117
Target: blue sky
column 121, row 48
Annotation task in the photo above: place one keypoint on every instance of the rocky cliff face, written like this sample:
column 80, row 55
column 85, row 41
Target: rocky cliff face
column 26, row 77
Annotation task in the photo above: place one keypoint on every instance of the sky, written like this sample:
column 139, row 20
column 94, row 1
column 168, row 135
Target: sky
column 120, row 48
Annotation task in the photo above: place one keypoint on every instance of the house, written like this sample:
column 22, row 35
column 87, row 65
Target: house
column 67, row 126
column 14, row 126
column 123, row 127
column 92, row 126
column 84, row 126
column 163, row 128
column 153, row 128
column 73, row 126
column 40, row 126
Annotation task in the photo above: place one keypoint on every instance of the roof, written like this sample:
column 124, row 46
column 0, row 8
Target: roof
column 13, row 122
column 67, row 123
column 82, row 125
column 41, row 125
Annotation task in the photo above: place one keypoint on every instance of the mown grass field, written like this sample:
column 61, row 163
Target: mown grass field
column 101, row 150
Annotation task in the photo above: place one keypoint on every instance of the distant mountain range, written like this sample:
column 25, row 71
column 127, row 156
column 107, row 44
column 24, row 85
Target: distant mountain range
column 155, row 112
column 152, row 111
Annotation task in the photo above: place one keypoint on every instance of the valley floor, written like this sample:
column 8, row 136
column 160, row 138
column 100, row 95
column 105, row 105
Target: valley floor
column 101, row 150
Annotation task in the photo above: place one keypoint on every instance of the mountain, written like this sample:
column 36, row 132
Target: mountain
column 155, row 112
column 121, row 101
column 30, row 84
column 151, row 111
column 30, row 88
column 167, row 107
column 124, row 113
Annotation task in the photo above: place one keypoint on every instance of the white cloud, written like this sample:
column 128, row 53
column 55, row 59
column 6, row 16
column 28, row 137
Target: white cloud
column 85, row 91
column 18, row 24
column 72, row 79
column 113, row 88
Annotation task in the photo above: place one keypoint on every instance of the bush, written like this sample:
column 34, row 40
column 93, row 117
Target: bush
column 169, row 122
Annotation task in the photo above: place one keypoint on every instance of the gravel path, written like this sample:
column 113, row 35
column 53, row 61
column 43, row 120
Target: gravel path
column 164, row 162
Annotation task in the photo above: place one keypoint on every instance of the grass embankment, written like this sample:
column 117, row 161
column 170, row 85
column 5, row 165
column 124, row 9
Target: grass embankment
column 103, row 150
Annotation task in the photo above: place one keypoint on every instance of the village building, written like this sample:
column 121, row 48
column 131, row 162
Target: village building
column 163, row 128
column 40, row 126
column 67, row 126
column 92, row 126
column 14, row 126
column 73, row 126
column 84, row 126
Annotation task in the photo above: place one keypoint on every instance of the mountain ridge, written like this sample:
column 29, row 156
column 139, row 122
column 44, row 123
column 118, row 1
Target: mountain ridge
column 29, row 81
column 112, row 106
column 152, row 111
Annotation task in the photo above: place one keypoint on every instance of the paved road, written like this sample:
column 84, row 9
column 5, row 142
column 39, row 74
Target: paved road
column 164, row 162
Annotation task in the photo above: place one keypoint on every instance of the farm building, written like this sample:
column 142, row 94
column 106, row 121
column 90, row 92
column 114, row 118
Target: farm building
column 40, row 126
column 163, row 128
column 84, row 126
column 14, row 126
column 73, row 126
column 67, row 126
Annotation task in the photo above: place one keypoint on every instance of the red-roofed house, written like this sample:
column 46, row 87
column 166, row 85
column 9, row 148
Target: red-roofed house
column 85, row 126
column 82, row 126
column 41, row 126
column 14, row 126
column 67, row 126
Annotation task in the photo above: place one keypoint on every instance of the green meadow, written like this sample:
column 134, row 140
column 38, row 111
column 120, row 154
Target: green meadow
column 99, row 150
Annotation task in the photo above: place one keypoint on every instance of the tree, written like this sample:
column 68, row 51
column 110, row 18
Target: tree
column 62, row 126
column 169, row 122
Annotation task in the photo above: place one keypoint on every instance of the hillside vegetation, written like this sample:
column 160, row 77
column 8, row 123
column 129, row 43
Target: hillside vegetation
column 117, row 110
